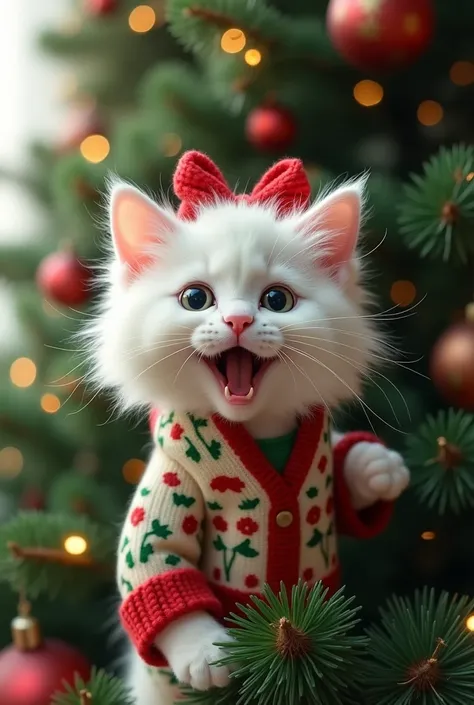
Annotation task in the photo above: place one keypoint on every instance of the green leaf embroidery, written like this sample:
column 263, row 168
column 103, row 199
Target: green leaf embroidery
column 328, row 480
column 168, row 421
column 245, row 549
column 129, row 560
column 214, row 447
column 218, row 543
column 146, row 551
column 145, row 491
column 215, row 506
column 160, row 441
column 160, row 530
column 316, row 539
column 249, row 504
column 127, row 584
column 125, row 543
column 182, row 500
column 312, row 492
column 192, row 452
column 172, row 559
column 172, row 680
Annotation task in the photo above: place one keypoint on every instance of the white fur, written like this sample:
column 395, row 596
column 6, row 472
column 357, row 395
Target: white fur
column 147, row 348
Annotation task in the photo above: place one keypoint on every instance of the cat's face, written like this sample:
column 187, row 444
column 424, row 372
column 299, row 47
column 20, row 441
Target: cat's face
column 237, row 312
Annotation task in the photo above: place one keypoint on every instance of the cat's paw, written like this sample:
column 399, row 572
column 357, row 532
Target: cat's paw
column 189, row 646
column 373, row 473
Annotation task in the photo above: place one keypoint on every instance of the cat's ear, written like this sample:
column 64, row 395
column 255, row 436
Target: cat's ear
column 137, row 225
column 337, row 218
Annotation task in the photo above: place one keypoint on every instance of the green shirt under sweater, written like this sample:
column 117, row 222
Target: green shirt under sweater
column 278, row 450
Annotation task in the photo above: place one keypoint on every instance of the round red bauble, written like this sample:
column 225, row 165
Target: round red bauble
column 64, row 279
column 452, row 365
column 100, row 7
column 32, row 677
column 380, row 34
column 270, row 128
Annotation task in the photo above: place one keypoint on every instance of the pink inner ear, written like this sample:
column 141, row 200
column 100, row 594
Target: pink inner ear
column 137, row 223
column 338, row 217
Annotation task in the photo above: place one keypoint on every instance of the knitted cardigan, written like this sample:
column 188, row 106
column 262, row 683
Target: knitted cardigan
column 211, row 521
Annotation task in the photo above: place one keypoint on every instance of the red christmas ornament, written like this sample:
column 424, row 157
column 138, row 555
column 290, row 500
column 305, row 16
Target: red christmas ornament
column 33, row 670
column 100, row 7
column 380, row 34
column 270, row 128
column 64, row 279
column 452, row 363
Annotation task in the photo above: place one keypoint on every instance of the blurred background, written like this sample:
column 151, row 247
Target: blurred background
column 93, row 86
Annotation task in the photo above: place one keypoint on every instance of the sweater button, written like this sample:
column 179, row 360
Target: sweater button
column 284, row 519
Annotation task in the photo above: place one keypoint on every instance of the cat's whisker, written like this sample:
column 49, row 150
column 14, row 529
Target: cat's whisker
column 372, row 338
column 162, row 359
column 282, row 359
column 312, row 383
column 365, row 372
column 347, row 386
column 193, row 352
column 137, row 352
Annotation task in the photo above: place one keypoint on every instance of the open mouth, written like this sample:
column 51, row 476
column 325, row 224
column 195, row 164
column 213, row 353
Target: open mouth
column 239, row 373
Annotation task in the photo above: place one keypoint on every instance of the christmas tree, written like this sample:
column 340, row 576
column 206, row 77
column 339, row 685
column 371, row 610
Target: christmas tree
column 347, row 86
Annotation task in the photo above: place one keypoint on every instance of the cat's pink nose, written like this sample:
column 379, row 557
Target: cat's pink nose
column 238, row 322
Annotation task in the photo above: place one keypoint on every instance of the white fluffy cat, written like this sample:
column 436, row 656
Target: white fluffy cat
column 286, row 288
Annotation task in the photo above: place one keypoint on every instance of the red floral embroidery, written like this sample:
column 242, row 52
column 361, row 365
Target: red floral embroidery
column 222, row 483
column 308, row 574
column 190, row 524
column 329, row 505
column 313, row 516
column 322, row 465
column 137, row 516
column 220, row 524
column 251, row 581
column 216, row 573
column 247, row 526
column 176, row 431
column 171, row 479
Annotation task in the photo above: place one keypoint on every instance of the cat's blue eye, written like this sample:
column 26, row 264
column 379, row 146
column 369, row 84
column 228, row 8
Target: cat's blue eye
column 197, row 298
column 278, row 299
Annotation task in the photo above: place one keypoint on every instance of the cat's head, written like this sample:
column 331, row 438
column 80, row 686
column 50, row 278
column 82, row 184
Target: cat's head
column 244, row 309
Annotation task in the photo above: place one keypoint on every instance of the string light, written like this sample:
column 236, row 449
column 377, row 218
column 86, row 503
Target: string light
column 470, row 176
column 430, row 113
column 11, row 462
column 171, row 144
column 252, row 57
column 470, row 622
column 233, row 41
column 428, row 535
column 95, row 148
column 50, row 403
column 75, row 545
column 142, row 19
column 403, row 292
column 133, row 470
column 23, row 372
column 462, row 73
column 368, row 93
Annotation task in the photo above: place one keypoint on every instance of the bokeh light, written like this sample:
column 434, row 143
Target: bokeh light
column 171, row 144
column 428, row 535
column 368, row 93
column 142, row 19
column 462, row 73
column 233, row 41
column 470, row 176
column 133, row 470
column 11, row 462
column 50, row 403
column 403, row 292
column 95, row 148
column 253, row 57
column 75, row 545
column 470, row 622
column 430, row 113
column 23, row 372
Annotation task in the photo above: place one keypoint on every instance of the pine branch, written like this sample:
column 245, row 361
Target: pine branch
column 33, row 555
column 101, row 689
column 441, row 456
column 223, row 21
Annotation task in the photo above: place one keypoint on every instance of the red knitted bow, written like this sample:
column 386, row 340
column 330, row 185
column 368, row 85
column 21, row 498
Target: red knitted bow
column 198, row 181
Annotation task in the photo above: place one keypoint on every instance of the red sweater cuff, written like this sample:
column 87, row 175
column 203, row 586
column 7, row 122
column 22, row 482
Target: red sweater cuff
column 366, row 523
column 152, row 606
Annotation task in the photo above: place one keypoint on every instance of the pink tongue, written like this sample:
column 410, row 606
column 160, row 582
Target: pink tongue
column 239, row 371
